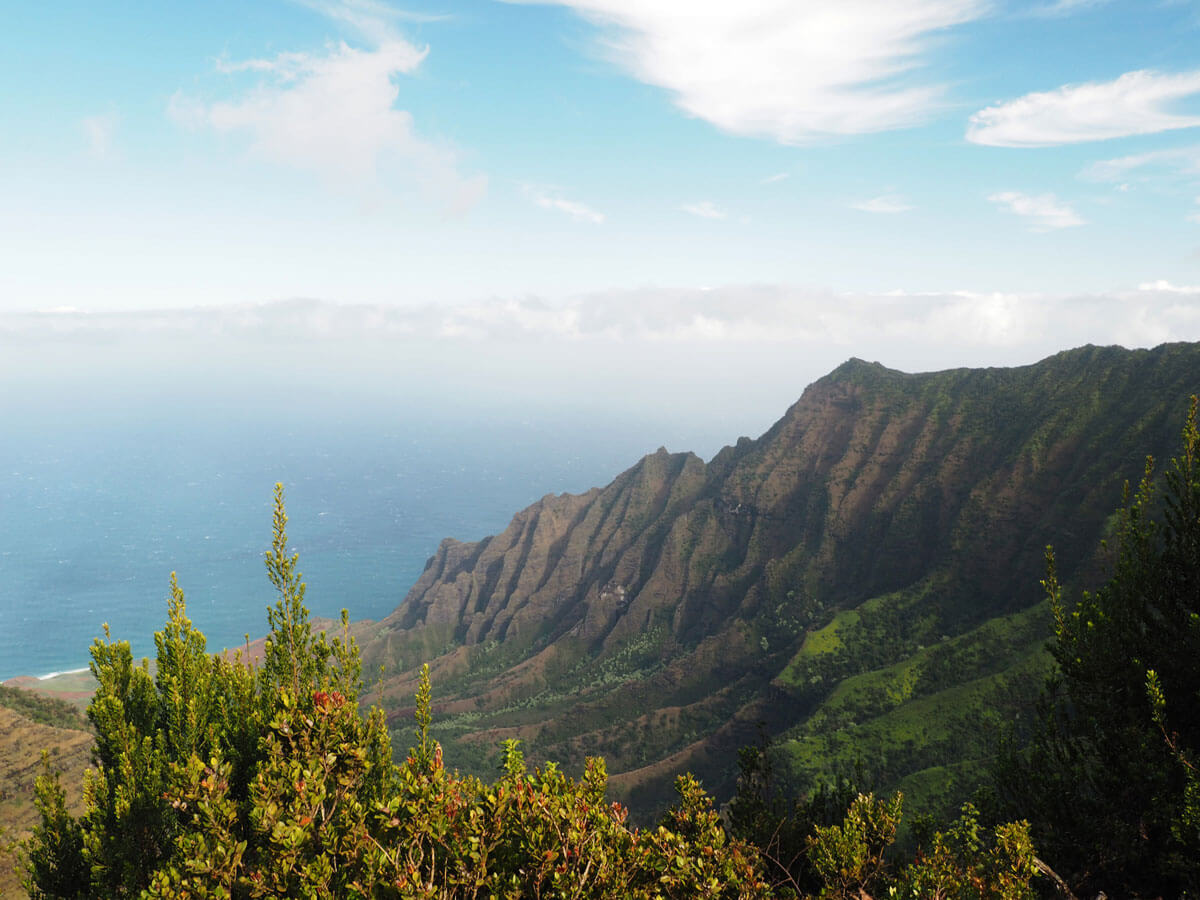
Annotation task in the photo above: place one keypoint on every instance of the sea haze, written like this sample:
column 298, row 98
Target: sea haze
column 97, row 508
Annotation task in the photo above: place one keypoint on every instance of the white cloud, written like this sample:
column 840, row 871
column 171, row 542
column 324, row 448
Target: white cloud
column 1164, row 286
column 884, row 203
column 1135, row 103
column 549, row 198
column 334, row 113
column 99, row 131
column 777, row 177
column 787, row 70
column 1045, row 212
column 705, row 209
column 1176, row 160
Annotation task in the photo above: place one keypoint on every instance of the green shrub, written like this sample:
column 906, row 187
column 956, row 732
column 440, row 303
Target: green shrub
column 216, row 778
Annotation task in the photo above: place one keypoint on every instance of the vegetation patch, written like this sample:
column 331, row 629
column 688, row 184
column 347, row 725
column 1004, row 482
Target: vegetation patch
column 42, row 709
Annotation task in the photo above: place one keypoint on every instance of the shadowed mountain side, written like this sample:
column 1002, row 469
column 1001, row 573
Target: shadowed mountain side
column 657, row 620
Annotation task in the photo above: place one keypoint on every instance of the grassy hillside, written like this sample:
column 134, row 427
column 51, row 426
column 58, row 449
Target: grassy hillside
column 927, row 723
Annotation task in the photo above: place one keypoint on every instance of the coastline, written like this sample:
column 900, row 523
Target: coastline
column 52, row 675
column 76, row 686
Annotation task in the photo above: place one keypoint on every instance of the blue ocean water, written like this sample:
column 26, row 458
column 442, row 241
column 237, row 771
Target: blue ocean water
column 97, row 511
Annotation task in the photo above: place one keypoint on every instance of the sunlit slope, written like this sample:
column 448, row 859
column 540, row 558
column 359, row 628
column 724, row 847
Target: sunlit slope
column 928, row 723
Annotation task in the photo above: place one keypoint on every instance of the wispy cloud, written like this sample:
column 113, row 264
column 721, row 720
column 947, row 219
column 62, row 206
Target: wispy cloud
column 1173, row 170
column 1061, row 8
column 884, row 203
column 98, row 130
column 1135, row 103
column 372, row 20
column 551, row 198
column 334, row 113
column 1176, row 160
column 1045, row 212
column 793, row 72
column 705, row 209
column 776, row 178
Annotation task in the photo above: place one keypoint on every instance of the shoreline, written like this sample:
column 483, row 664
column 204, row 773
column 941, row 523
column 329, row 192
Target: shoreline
column 76, row 686
column 22, row 680
column 47, row 677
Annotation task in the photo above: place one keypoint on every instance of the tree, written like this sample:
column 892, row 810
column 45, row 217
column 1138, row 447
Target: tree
column 55, row 864
column 762, row 812
column 1109, row 777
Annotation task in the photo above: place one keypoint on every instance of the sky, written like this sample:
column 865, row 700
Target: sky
column 581, row 195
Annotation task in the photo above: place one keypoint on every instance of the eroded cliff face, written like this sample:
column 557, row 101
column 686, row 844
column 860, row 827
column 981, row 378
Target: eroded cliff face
column 657, row 620
column 561, row 567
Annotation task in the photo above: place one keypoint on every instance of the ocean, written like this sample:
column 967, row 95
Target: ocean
column 97, row 509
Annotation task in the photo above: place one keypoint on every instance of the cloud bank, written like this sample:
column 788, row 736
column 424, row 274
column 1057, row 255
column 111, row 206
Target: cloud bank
column 745, row 315
column 729, row 359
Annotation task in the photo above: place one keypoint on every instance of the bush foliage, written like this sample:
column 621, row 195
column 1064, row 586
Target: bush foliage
column 215, row 778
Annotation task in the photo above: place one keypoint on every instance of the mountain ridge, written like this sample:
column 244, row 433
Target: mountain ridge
column 685, row 591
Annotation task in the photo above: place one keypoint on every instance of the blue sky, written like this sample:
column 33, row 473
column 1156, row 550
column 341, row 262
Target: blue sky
column 986, row 170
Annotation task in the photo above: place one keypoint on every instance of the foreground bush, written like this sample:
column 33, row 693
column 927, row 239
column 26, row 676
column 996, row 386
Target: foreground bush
column 215, row 778
column 218, row 779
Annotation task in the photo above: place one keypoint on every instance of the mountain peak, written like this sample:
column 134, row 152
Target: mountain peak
column 858, row 371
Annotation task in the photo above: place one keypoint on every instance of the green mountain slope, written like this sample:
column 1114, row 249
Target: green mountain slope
column 927, row 723
column 873, row 558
